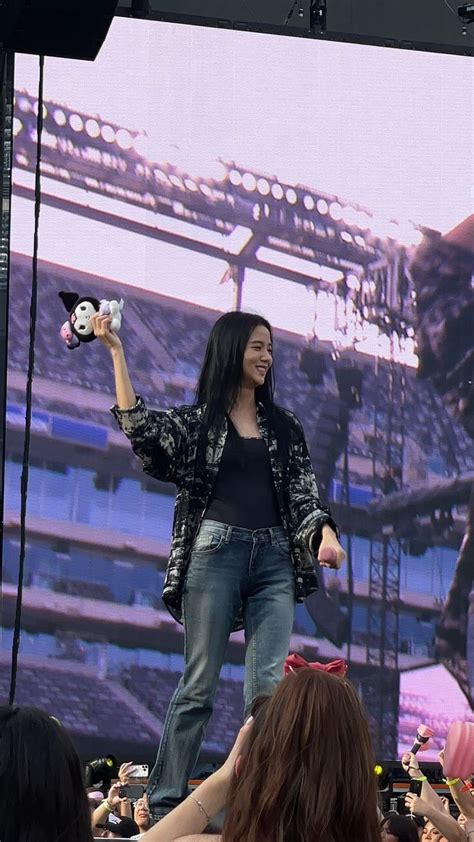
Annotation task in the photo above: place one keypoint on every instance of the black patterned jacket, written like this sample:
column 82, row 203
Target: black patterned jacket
column 167, row 443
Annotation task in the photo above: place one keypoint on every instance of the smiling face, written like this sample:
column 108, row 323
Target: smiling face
column 257, row 358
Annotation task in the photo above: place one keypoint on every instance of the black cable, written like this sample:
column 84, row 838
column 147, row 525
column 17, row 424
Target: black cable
column 29, row 390
column 448, row 5
column 3, row 62
column 349, row 533
column 291, row 12
column 6, row 135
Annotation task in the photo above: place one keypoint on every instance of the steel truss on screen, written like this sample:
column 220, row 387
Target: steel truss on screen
column 381, row 686
column 309, row 237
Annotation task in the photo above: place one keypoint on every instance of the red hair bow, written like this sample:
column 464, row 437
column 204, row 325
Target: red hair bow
column 296, row 662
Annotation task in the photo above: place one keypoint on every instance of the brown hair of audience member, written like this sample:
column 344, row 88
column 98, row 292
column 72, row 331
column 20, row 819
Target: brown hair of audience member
column 308, row 771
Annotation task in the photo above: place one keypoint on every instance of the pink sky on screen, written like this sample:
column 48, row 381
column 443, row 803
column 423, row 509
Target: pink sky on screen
column 385, row 128
column 392, row 129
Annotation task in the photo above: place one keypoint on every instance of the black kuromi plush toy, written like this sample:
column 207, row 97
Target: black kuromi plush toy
column 78, row 327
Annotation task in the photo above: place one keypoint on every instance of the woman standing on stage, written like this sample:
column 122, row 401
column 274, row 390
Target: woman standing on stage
column 247, row 520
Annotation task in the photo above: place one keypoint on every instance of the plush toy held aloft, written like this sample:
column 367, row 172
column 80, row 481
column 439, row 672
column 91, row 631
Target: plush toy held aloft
column 78, row 327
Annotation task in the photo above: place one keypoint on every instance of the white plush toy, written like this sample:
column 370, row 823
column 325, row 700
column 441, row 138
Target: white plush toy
column 114, row 309
column 78, row 327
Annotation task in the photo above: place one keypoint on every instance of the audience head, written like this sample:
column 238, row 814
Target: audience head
column 419, row 822
column 141, row 814
column 399, row 829
column 42, row 795
column 119, row 827
column 432, row 834
column 308, row 770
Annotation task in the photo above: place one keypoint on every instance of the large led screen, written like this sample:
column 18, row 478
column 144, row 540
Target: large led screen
column 190, row 171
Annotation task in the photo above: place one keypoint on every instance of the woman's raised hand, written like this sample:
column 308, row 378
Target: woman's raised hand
column 101, row 326
column 126, row 397
column 227, row 769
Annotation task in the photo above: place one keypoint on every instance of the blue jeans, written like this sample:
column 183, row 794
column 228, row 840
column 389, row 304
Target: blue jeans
column 229, row 567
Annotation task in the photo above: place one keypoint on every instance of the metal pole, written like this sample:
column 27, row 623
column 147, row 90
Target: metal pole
column 6, row 136
column 239, row 278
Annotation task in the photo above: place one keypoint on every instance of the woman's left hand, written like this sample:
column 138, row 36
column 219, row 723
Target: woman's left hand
column 227, row 769
column 329, row 542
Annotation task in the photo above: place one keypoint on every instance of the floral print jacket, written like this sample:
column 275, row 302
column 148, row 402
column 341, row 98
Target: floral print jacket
column 167, row 443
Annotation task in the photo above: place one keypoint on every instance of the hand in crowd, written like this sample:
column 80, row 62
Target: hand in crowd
column 113, row 797
column 440, row 826
column 410, row 764
column 226, row 771
column 463, row 799
column 123, row 773
column 110, row 805
column 416, row 805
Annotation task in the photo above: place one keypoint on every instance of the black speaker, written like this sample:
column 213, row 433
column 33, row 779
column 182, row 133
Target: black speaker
column 349, row 383
column 63, row 28
column 314, row 364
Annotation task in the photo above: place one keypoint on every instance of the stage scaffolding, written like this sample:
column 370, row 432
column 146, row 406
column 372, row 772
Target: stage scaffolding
column 382, row 685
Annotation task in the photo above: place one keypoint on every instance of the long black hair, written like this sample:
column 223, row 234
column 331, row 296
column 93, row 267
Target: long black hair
column 403, row 827
column 221, row 374
column 42, row 794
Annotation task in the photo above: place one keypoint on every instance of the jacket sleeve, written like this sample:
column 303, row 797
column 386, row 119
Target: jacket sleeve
column 158, row 438
column 307, row 511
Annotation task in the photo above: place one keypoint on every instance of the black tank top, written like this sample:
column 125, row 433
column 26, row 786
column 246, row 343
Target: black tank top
column 244, row 493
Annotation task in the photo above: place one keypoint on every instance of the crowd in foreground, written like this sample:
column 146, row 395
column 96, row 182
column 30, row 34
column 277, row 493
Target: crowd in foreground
column 301, row 770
